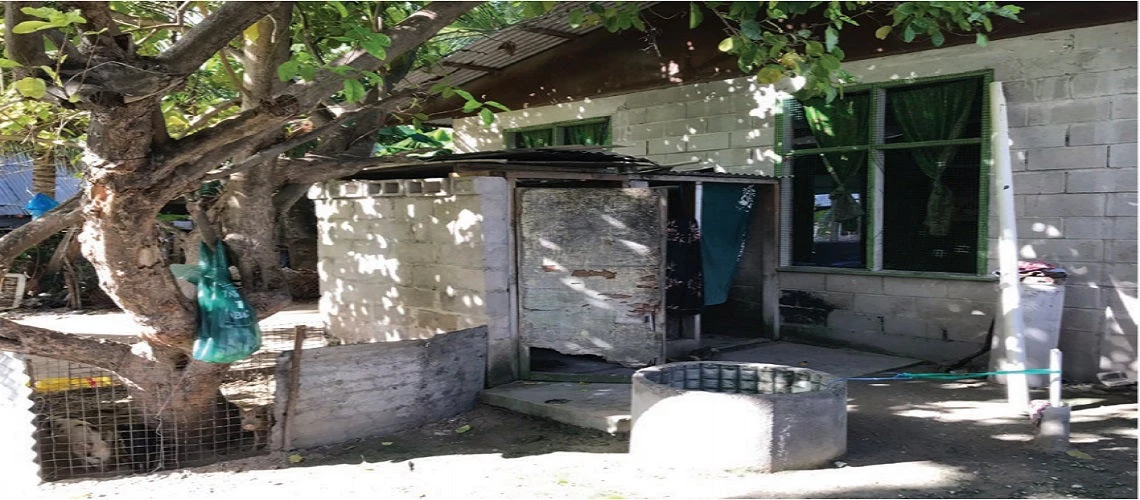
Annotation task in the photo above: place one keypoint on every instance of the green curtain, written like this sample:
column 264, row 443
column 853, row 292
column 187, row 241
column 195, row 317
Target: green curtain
column 842, row 122
column 936, row 112
column 591, row 134
column 534, row 139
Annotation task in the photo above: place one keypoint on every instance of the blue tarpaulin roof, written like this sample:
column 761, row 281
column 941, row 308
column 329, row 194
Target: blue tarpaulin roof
column 16, row 184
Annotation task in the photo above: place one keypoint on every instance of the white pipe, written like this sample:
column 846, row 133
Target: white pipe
column 1013, row 359
column 1055, row 378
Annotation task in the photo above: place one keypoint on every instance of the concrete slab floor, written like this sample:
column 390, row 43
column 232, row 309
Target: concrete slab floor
column 606, row 406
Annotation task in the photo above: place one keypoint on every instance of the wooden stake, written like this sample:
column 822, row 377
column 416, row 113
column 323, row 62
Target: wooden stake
column 294, row 388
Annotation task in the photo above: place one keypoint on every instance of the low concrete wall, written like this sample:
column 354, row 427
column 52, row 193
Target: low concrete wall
column 413, row 258
column 353, row 391
column 932, row 319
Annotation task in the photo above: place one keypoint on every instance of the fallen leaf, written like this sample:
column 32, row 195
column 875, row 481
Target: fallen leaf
column 1078, row 454
column 295, row 458
column 386, row 443
column 463, row 429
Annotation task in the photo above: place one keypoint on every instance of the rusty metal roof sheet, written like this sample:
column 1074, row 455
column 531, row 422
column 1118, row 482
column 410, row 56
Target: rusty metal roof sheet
column 509, row 46
column 519, row 161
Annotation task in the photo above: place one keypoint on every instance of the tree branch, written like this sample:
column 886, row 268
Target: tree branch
column 42, row 342
column 212, row 34
column 103, row 31
column 204, row 119
column 267, row 52
column 21, row 239
column 288, row 195
column 405, row 36
column 28, row 48
column 187, row 155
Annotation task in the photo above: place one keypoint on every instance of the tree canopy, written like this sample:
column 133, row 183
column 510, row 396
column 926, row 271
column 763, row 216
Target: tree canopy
column 154, row 99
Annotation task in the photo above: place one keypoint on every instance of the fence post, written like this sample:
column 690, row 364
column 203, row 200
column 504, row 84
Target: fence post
column 294, row 386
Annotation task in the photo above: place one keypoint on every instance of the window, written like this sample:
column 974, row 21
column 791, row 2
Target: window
column 889, row 177
column 595, row 132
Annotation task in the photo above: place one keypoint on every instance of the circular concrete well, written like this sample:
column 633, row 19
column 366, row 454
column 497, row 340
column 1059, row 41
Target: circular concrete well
column 728, row 415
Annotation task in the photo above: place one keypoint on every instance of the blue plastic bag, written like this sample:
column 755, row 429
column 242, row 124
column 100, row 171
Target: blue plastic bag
column 227, row 325
column 40, row 204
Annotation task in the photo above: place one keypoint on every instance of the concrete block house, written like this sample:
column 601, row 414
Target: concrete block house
column 879, row 232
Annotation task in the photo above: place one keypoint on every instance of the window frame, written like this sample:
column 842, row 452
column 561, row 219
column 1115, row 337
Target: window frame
column 874, row 176
column 558, row 130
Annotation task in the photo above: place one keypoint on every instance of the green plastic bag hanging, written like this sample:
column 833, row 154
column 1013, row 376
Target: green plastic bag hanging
column 227, row 325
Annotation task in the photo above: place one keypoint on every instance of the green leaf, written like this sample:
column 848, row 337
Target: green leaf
column 638, row 23
column 829, row 62
column 470, row 106
column 909, row 34
column 813, row 48
column 287, row 70
column 831, row 38
column 769, row 74
column 487, row 115
column 982, row 39
column 750, row 28
column 496, row 105
column 339, row 8
column 8, row 63
column 695, row 15
column 883, row 32
column 1078, row 454
column 382, row 39
column 41, row 12
column 577, row 17
column 31, row 27
column 252, row 33
column 726, row 45
column 34, row 88
column 463, row 429
column 464, row 94
column 308, row 72
column 353, row 90
column 937, row 38
column 747, row 57
column 374, row 47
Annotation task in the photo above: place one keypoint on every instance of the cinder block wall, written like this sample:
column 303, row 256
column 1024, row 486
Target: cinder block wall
column 410, row 259
column 349, row 392
column 1072, row 113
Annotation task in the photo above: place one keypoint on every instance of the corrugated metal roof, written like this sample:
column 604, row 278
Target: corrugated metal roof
column 519, row 161
column 16, row 183
column 490, row 52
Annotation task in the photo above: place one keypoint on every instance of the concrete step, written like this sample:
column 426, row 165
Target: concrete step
column 596, row 406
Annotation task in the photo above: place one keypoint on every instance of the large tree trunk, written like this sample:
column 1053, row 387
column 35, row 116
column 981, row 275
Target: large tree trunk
column 133, row 168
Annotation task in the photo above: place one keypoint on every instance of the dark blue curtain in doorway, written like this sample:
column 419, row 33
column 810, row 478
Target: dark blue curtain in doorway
column 726, row 212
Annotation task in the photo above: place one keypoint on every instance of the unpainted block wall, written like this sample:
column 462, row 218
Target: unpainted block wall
column 1072, row 113
column 410, row 259
column 353, row 391
column 18, row 457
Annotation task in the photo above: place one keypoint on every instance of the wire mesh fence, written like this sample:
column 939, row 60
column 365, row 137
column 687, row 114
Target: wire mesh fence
column 89, row 423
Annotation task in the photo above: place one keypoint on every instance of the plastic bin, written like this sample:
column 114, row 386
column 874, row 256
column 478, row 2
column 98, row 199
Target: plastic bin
column 1041, row 308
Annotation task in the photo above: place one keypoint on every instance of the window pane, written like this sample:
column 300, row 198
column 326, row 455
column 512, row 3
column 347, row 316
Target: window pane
column 818, row 124
column 534, row 138
column 591, row 134
column 924, row 230
column 936, row 111
column 827, row 222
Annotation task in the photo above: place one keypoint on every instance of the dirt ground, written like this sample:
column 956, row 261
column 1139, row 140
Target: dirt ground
column 906, row 439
